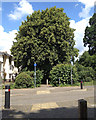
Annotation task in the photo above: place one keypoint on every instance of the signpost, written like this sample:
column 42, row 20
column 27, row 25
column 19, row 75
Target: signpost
column 71, row 70
column 71, row 76
column 35, row 73
column 59, row 81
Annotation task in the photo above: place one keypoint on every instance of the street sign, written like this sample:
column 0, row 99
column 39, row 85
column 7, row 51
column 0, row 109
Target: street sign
column 35, row 64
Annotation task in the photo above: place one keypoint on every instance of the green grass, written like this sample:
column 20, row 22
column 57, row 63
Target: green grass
column 69, row 85
column 12, row 85
column 78, row 84
column 88, row 83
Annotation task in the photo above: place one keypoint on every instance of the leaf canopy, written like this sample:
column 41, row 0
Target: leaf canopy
column 45, row 38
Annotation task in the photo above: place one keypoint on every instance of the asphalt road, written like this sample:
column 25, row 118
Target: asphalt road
column 53, row 98
column 49, row 94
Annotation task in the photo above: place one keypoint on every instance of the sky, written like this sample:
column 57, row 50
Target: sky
column 13, row 13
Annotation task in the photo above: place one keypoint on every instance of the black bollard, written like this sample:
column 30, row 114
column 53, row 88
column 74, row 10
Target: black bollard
column 82, row 109
column 7, row 96
column 81, row 84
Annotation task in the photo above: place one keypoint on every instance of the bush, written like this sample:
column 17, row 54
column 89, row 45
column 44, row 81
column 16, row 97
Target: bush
column 23, row 80
column 88, row 79
column 63, row 72
column 39, row 76
column 86, row 74
column 12, row 85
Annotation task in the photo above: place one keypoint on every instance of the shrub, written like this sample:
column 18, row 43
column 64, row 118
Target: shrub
column 88, row 79
column 63, row 72
column 39, row 76
column 23, row 80
column 86, row 74
column 12, row 85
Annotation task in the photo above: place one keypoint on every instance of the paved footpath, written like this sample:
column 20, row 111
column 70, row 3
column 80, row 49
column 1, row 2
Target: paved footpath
column 48, row 102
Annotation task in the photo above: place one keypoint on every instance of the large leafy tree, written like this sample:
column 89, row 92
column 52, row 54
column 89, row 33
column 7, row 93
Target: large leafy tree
column 87, row 74
column 45, row 38
column 90, row 35
column 88, row 60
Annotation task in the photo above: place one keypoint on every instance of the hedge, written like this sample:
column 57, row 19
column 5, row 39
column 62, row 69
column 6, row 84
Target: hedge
column 63, row 72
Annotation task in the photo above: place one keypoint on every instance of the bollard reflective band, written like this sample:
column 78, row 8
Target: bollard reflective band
column 6, row 90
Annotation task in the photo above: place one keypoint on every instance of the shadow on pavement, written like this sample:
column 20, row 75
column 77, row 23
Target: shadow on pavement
column 62, row 113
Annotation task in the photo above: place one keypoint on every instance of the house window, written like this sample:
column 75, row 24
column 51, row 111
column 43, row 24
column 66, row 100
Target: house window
column 10, row 67
column 10, row 76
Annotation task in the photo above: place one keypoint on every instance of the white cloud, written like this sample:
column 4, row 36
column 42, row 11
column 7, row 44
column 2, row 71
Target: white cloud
column 79, row 33
column 88, row 5
column 24, row 8
column 81, row 25
column 76, row 5
column 6, row 39
column 0, row 9
column 85, row 12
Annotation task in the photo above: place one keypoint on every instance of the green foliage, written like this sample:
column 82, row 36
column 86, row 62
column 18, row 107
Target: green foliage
column 88, row 60
column 12, row 85
column 45, row 38
column 87, row 74
column 63, row 72
column 3, row 86
column 39, row 76
column 23, row 80
column 88, row 83
column 90, row 35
